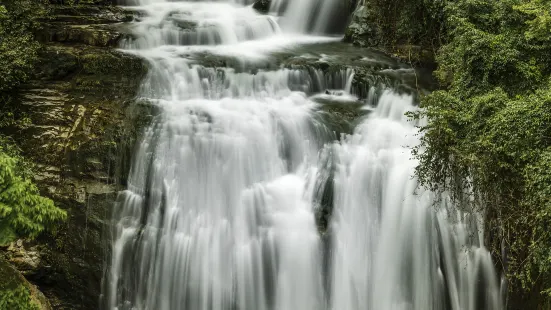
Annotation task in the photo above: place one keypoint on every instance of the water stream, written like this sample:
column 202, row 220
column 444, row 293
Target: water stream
column 222, row 209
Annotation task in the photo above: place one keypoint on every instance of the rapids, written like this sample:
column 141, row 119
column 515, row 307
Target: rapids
column 224, row 206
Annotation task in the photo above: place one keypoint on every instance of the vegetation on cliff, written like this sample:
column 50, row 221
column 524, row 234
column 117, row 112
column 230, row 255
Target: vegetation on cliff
column 488, row 142
column 18, row 298
column 411, row 30
column 18, row 294
column 65, row 120
column 18, row 46
column 24, row 213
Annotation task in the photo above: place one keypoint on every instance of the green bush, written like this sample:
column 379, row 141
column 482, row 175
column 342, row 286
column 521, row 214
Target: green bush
column 488, row 138
column 24, row 213
column 17, row 299
column 19, row 19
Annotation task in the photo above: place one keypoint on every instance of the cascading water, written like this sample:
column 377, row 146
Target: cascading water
column 390, row 249
column 220, row 208
column 310, row 15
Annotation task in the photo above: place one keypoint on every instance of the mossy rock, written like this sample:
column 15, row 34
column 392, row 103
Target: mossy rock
column 90, row 25
column 16, row 293
column 107, row 62
column 93, row 35
column 363, row 29
column 89, row 14
column 81, row 139
column 84, row 124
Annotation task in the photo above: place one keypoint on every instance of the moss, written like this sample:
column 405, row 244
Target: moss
column 16, row 293
column 105, row 62
column 89, row 14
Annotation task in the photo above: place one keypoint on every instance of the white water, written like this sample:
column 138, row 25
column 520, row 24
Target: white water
column 307, row 15
column 391, row 250
column 219, row 210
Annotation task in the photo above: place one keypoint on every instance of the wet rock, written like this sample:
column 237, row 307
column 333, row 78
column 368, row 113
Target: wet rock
column 90, row 14
column 363, row 30
column 90, row 25
column 80, row 137
column 94, row 35
column 352, row 5
column 184, row 24
column 24, row 258
column 262, row 6
column 181, row 21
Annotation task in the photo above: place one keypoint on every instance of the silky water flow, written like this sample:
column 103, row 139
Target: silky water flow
column 219, row 211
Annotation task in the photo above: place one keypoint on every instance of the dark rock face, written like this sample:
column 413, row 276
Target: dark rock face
column 80, row 136
column 363, row 30
column 352, row 4
column 262, row 6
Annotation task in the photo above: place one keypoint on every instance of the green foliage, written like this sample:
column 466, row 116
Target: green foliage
column 23, row 211
column 488, row 139
column 17, row 299
column 18, row 47
column 539, row 25
column 15, row 292
column 491, row 45
column 417, row 22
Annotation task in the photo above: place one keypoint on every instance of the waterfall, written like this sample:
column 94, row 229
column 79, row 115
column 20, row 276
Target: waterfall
column 222, row 202
column 311, row 15
column 391, row 249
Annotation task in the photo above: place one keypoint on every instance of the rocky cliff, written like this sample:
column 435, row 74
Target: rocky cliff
column 84, row 120
column 81, row 132
column 369, row 28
